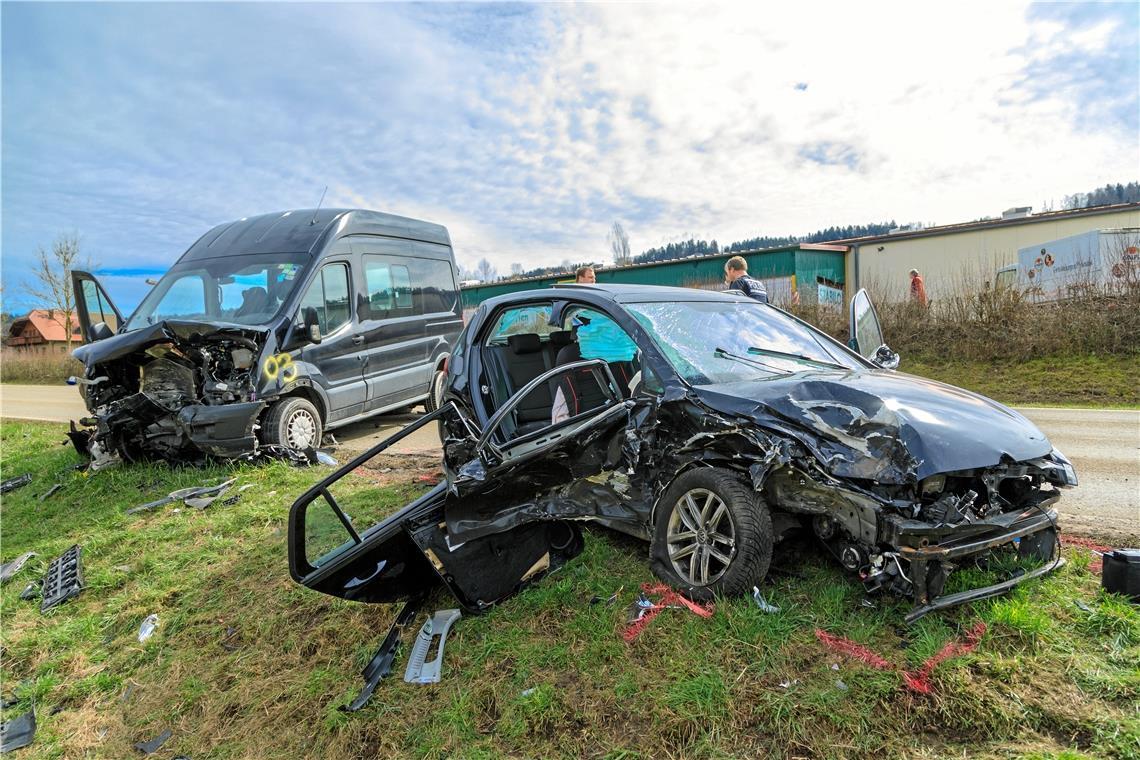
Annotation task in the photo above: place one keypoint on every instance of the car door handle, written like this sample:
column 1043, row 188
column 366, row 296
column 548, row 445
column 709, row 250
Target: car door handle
column 357, row 339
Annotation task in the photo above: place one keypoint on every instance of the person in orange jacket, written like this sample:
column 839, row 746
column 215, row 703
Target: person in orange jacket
column 917, row 288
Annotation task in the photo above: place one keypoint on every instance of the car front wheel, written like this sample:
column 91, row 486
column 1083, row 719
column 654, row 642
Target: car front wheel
column 293, row 422
column 713, row 535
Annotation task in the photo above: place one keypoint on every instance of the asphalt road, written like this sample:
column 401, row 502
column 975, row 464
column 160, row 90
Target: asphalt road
column 1103, row 444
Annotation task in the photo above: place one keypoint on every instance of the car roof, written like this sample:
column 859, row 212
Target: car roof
column 306, row 230
column 616, row 292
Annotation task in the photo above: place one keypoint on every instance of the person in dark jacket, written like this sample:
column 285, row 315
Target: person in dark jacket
column 736, row 275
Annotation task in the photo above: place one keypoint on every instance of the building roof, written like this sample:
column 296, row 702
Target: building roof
column 950, row 229
column 48, row 323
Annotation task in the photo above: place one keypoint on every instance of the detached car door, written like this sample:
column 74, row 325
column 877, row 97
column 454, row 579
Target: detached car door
column 98, row 316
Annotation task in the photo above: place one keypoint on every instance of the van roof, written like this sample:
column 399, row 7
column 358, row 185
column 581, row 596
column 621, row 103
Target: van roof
column 306, row 230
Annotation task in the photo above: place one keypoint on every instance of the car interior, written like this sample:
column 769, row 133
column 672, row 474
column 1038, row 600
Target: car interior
column 513, row 357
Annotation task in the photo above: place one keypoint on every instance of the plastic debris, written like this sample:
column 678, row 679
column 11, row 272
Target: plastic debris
column 8, row 569
column 152, row 746
column 325, row 458
column 148, row 627
column 840, row 685
column 227, row 640
column 835, row 666
column 763, row 605
column 31, row 591
column 64, row 579
column 18, row 732
column 1082, row 605
column 789, row 683
column 419, row 670
column 528, row 692
column 51, row 492
column 11, row 484
column 380, row 666
column 669, row 599
column 198, row 497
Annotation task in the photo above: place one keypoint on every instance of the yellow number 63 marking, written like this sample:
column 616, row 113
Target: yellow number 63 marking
column 280, row 365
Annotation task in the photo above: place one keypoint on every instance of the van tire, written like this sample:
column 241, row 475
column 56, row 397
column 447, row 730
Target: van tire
column 290, row 422
column 435, row 391
column 737, row 512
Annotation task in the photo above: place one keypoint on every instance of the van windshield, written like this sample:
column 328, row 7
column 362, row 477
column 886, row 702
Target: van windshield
column 246, row 290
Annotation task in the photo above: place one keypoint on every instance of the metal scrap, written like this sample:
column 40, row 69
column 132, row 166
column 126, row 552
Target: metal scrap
column 11, row 484
column 9, row 569
column 18, row 732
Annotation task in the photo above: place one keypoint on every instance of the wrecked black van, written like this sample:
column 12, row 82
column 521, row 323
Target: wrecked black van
column 269, row 330
column 711, row 426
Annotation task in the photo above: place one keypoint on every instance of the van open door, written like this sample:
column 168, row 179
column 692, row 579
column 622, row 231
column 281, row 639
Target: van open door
column 98, row 316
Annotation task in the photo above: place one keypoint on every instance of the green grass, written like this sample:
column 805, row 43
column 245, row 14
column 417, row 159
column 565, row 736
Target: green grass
column 546, row 674
column 1101, row 381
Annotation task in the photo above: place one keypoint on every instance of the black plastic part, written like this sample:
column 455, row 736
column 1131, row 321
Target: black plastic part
column 152, row 746
column 1121, row 573
column 64, row 578
column 381, row 663
column 11, row 484
column 17, row 732
column 31, row 591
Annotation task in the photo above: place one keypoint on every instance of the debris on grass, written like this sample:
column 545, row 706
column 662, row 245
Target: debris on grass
column 380, row 666
column 419, row 670
column 31, row 591
column 9, row 569
column 668, row 598
column 64, row 579
column 11, row 484
column 761, row 603
column 51, row 492
column 18, row 732
column 152, row 746
column 198, row 497
column 148, row 627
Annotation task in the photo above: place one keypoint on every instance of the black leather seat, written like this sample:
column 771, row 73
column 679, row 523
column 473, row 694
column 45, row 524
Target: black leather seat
column 527, row 360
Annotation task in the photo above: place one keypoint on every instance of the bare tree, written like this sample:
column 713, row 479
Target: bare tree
column 619, row 244
column 516, row 269
column 485, row 271
column 51, row 280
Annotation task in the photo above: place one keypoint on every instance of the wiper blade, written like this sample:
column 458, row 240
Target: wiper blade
column 795, row 357
column 745, row 360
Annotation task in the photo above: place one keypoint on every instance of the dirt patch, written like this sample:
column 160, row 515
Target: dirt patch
column 392, row 469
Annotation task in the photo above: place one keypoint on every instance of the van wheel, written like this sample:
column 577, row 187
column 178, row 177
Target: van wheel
column 435, row 391
column 293, row 422
column 713, row 535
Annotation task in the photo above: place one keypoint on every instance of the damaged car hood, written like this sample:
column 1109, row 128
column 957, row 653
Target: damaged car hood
column 886, row 426
column 125, row 344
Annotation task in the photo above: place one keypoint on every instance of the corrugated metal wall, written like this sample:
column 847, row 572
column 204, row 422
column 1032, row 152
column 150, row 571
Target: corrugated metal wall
column 774, row 264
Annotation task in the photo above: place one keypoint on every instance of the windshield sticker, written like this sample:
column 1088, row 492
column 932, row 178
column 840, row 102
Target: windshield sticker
column 288, row 272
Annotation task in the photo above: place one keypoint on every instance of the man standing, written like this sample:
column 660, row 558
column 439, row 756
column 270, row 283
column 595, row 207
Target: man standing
column 585, row 275
column 736, row 275
column 917, row 288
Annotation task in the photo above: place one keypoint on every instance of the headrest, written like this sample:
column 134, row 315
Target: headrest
column 525, row 343
column 561, row 338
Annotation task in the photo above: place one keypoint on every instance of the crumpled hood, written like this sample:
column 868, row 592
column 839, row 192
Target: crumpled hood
column 881, row 425
column 128, row 343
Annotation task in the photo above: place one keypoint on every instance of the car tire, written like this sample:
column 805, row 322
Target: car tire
column 435, row 391
column 713, row 535
column 293, row 422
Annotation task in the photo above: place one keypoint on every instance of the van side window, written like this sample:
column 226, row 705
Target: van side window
column 434, row 285
column 389, row 287
column 329, row 296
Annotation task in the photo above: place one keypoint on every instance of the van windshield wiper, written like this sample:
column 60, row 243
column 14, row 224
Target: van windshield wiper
column 795, row 357
column 720, row 352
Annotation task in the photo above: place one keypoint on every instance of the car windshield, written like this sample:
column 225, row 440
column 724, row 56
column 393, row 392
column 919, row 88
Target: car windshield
column 724, row 341
column 246, row 290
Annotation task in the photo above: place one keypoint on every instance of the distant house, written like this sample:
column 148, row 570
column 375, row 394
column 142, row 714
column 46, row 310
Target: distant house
column 42, row 331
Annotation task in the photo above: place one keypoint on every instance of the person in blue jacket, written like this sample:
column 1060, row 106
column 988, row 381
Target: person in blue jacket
column 736, row 275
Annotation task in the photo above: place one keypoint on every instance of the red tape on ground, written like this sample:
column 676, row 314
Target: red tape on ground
column 917, row 681
column 669, row 597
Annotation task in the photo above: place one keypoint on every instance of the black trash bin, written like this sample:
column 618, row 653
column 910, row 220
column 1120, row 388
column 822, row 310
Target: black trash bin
column 1121, row 573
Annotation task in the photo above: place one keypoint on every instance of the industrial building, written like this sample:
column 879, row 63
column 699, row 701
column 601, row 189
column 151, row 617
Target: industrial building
column 948, row 256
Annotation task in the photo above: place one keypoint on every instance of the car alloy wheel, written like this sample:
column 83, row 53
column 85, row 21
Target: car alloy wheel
column 701, row 537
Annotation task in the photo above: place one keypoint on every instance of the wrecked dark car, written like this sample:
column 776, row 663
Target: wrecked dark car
column 707, row 424
column 269, row 330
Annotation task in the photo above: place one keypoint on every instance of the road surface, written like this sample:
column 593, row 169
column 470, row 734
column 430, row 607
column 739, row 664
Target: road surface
column 1103, row 444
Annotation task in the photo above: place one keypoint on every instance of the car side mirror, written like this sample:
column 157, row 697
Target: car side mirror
column 886, row 358
column 312, row 324
column 99, row 331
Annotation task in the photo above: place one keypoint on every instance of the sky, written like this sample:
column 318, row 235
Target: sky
column 528, row 130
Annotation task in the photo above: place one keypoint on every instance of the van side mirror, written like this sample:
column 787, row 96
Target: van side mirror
column 100, row 331
column 312, row 324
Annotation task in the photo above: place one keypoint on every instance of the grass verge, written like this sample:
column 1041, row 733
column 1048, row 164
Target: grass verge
column 245, row 663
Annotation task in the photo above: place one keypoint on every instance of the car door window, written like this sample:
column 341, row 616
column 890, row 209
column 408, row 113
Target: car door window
column 99, row 308
column 328, row 295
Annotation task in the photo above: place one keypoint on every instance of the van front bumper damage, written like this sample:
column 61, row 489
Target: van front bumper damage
column 931, row 552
